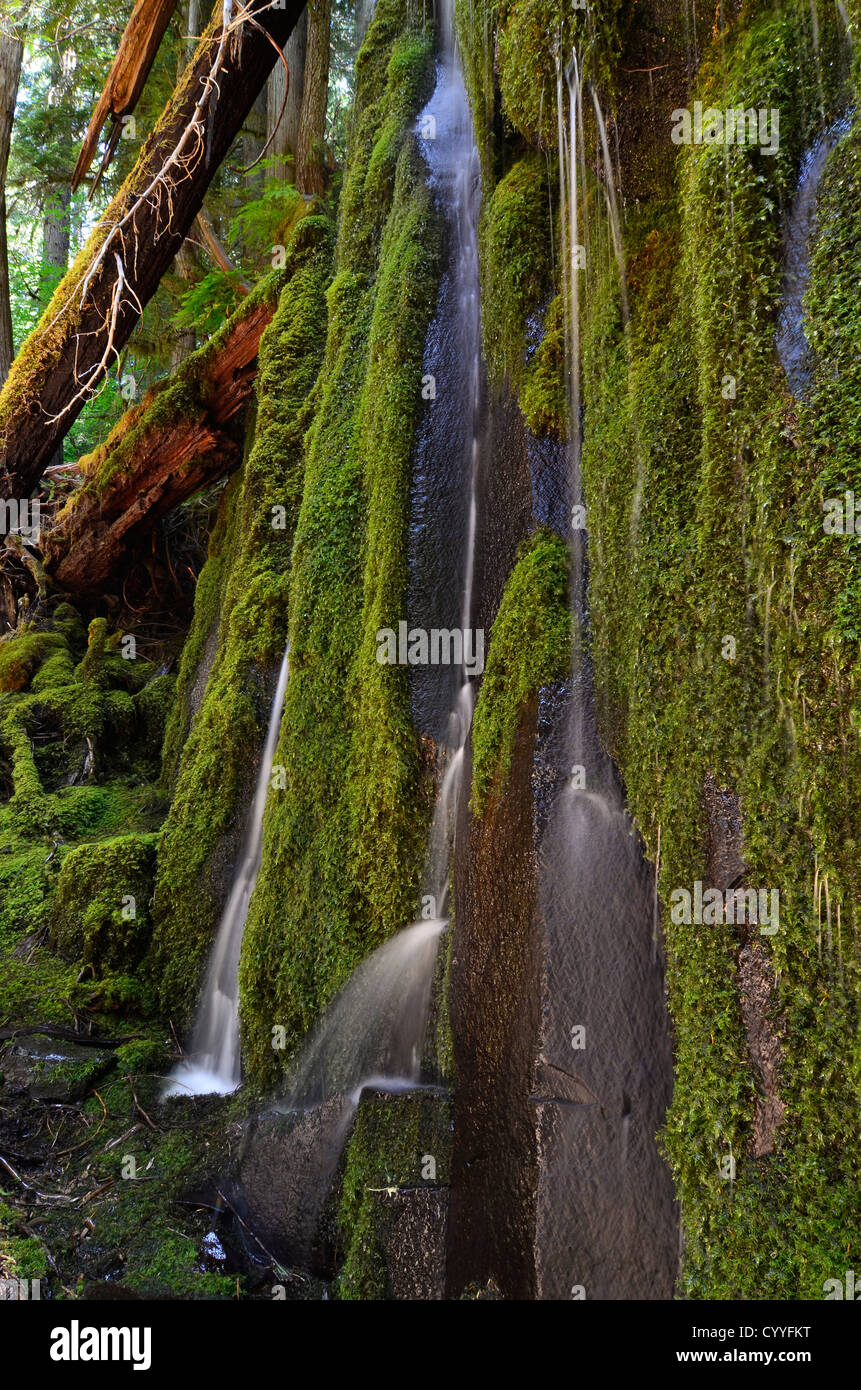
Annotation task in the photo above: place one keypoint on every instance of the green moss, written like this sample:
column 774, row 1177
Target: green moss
column 101, row 909
column 515, row 264
column 542, row 387
column 351, row 817
column 393, row 1139
column 142, row 1055
column 245, row 586
column 22, row 653
column 529, row 648
column 152, row 707
column 705, row 521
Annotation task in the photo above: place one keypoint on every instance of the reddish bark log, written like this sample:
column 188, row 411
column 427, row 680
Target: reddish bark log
column 154, row 459
column 138, row 47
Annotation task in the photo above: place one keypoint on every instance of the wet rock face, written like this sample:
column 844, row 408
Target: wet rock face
column 495, row 998
column 411, row 1229
column 286, row 1174
column 725, row 864
column 47, row 1069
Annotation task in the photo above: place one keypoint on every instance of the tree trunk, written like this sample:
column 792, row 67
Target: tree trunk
column 286, row 138
column 253, row 140
column 186, row 341
column 312, row 121
column 56, row 239
column 193, row 32
column 100, row 300
column 56, row 236
column 10, row 71
column 138, row 47
column 161, row 452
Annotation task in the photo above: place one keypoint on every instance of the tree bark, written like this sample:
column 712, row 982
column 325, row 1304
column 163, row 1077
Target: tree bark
column 156, row 457
column 312, row 121
column 56, row 239
column 138, row 47
column 100, row 300
column 286, row 134
column 11, row 51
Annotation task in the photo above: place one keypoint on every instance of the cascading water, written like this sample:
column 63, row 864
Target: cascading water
column 605, row 1221
column 215, row 1063
column 373, row 1031
column 792, row 346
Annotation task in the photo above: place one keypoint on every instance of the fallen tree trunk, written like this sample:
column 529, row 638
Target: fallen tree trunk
column 99, row 301
column 129, row 70
column 161, row 452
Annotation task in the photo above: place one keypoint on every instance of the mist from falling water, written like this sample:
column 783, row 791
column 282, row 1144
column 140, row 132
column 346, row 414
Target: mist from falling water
column 214, row 1065
column 373, row 1031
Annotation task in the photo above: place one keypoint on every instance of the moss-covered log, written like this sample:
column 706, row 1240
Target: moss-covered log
column 161, row 452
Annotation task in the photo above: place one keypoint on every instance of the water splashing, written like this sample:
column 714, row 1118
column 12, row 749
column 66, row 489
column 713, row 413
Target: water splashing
column 792, row 346
column 372, row 1032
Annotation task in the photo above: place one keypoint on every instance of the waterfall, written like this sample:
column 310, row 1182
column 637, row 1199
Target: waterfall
column 791, row 342
column 372, row 1032
column 215, row 1062
column 605, row 1217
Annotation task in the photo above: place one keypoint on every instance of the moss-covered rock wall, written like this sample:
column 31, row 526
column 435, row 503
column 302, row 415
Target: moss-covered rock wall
column 723, row 615
column 344, row 837
column 211, row 753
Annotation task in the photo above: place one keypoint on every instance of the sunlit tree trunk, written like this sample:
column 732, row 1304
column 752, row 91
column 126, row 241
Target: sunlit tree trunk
column 286, row 137
column 312, row 119
column 11, row 51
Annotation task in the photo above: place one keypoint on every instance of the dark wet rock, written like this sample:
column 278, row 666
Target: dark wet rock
column 606, row 1219
column 558, row 1086
column 286, row 1174
column 725, row 860
column 495, row 1002
column 51, row 1070
column 411, row 1227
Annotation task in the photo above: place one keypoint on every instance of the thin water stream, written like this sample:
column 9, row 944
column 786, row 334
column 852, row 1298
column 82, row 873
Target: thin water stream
column 214, row 1064
column 606, row 1224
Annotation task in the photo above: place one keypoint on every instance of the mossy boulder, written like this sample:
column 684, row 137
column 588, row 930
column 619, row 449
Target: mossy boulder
column 101, row 912
column 22, row 653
